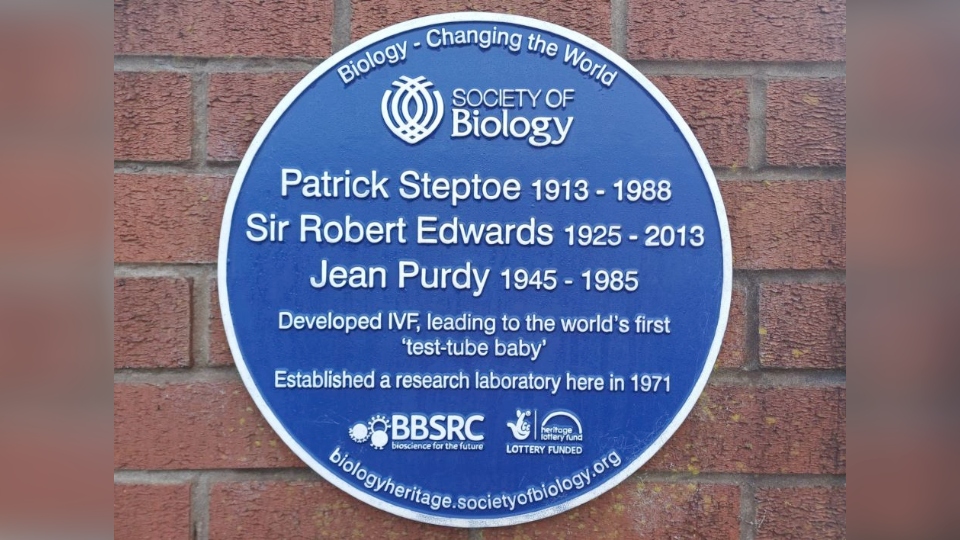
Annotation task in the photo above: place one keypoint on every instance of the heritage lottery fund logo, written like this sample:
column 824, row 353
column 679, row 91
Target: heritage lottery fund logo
column 412, row 110
column 559, row 432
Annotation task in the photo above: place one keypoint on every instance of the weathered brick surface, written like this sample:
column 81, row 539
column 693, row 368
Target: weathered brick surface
column 802, row 512
column 760, row 430
column 213, row 28
column 151, row 322
column 716, row 110
column 803, row 325
column 737, row 30
column 152, row 116
column 637, row 509
column 220, row 354
column 238, row 104
column 787, row 225
column 148, row 512
column 193, row 426
column 807, row 122
column 167, row 218
column 591, row 18
column 302, row 510
column 731, row 352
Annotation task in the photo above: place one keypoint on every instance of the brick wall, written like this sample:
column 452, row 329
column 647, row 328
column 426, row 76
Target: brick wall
column 761, row 82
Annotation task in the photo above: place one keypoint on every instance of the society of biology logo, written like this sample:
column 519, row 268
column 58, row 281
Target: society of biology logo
column 412, row 112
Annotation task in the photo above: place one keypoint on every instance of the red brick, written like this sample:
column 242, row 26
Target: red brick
column 193, row 426
column 220, row 354
column 760, row 430
column 787, row 224
column 807, row 122
column 591, row 18
column 298, row 28
column 144, row 512
column 152, row 116
column 737, row 30
column 731, row 352
column 151, row 322
column 238, row 104
column 302, row 510
column 802, row 512
column 716, row 110
column 167, row 218
column 642, row 510
column 803, row 325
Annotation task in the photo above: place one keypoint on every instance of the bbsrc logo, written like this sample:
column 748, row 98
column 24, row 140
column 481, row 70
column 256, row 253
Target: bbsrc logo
column 415, row 431
column 412, row 112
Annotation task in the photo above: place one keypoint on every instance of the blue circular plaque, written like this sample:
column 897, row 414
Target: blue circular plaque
column 475, row 269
